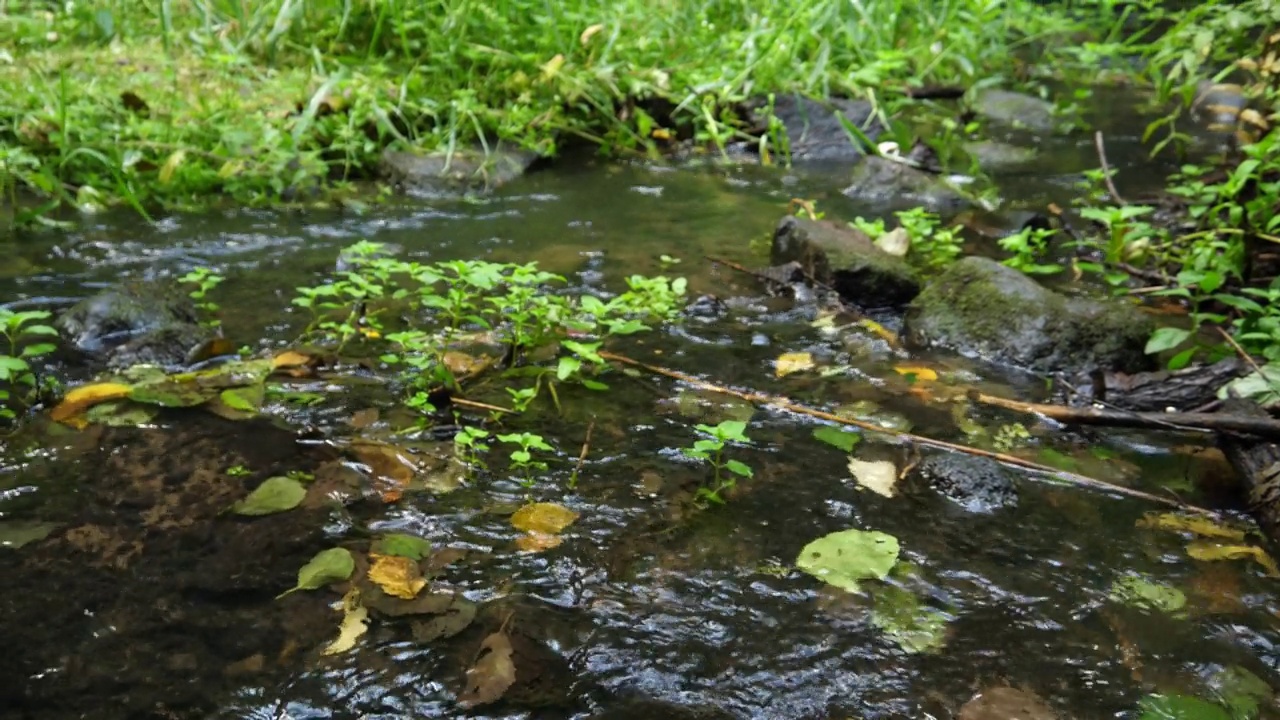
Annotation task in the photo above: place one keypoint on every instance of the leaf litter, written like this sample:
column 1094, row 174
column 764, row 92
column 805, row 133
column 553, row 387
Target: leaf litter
column 327, row 567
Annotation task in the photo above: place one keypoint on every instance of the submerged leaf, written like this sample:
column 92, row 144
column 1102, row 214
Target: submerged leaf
column 397, row 576
column 275, row 494
column 355, row 619
column 328, row 566
column 1139, row 592
column 410, row 546
column 842, row 439
column 120, row 413
column 16, row 533
column 914, row 626
column 1196, row 524
column 1179, row 707
column 919, row 372
column 449, row 622
column 80, row 399
column 843, row 558
column 535, row 541
column 878, row 476
column 491, row 675
column 788, row 363
column 1209, row 550
column 548, row 518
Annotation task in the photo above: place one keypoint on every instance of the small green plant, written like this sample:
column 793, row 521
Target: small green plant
column 23, row 332
column 522, row 460
column 1127, row 236
column 203, row 279
column 932, row 243
column 1029, row 247
column 469, row 444
column 238, row 471
column 711, row 449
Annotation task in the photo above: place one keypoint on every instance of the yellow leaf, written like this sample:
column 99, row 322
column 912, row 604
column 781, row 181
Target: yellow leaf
column 1209, row 550
column 1197, row 524
column 460, row 363
column 230, row 168
column 590, row 33
column 788, row 363
column 289, row 359
column 551, row 68
column 878, row 476
column 921, row 372
column 354, row 624
column 535, row 541
column 86, row 396
column 885, row 333
column 661, row 134
column 171, row 165
column 547, row 518
column 397, row 576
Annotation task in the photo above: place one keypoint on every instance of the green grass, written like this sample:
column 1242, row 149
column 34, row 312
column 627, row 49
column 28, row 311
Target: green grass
column 183, row 102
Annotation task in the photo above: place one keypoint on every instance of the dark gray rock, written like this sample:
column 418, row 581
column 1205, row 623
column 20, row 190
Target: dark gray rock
column 992, row 155
column 892, row 184
column 846, row 259
column 136, row 322
column 466, row 171
column 977, row 484
column 1014, row 109
column 815, row 132
column 983, row 309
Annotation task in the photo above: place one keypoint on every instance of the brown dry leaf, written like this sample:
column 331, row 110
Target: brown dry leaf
column 1216, row 587
column 548, row 518
column 361, row 419
column 535, row 541
column 788, row 363
column 1195, row 524
column 492, row 673
column 355, row 618
column 1208, row 550
column 390, row 466
column 397, row 576
column 80, row 399
column 919, row 371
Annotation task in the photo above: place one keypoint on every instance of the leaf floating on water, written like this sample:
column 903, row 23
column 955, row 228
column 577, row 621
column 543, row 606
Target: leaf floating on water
column 876, row 328
column 328, row 566
column 1006, row 703
column 290, row 359
column 535, row 541
column 172, row 394
column 548, row 518
column 82, row 398
column 491, row 675
column 843, row 439
column 1139, row 592
column 1179, row 707
column 403, row 545
column 914, row 626
column 451, row 621
column 1195, row 524
column 120, row 414
column 355, row 623
column 918, row 372
column 1241, row 691
column 16, row 533
column 397, row 576
column 878, row 476
column 1208, row 550
column 788, row 363
column 843, row 558
column 240, row 403
column 424, row 604
column 275, row 494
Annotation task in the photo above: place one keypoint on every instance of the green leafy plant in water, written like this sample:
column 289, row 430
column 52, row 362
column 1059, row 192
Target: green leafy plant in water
column 470, row 444
column 24, row 334
column 204, row 280
column 522, row 459
column 1126, row 234
column 1029, row 247
column 934, row 244
column 711, row 449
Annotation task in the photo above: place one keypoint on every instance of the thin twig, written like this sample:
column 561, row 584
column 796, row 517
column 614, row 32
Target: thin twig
column 784, row 404
column 479, row 405
column 1106, row 170
column 586, row 448
column 1247, row 358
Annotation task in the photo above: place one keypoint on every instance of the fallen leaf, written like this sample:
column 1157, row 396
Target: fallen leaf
column 119, row 414
column 535, row 541
column 492, row 673
column 904, row 619
column 1006, row 703
column 451, row 621
column 290, row 359
column 424, row 604
column 1195, row 524
column 275, row 494
column 328, row 566
column 1179, row 707
column 876, row 328
column 1137, row 591
column 355, row 619
column 843, row 439
column 878, row 476
column 460, row 363
column 589, row 33
column 79, row 399
column 1208, row 550
column 896, row 242
column 548, row 518
column 918, row 371
column 397, row 576
column 846, row 557
column 403, row 545
column 16, row 533
column 788, row 363
column 362, row 419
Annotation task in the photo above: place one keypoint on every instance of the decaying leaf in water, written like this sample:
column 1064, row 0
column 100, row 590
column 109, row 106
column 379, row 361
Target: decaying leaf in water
column 846, row 557
column 1006, row 703
column 492, row 673
column 836, row 437
column 16, row 533
column 876, row 328
column 535, row 541
column 404, row 545
column 1195, row 524
column 1179, row 707
column 788, row 363
column 275, row 494
column 239, row 403
column 904, row 619
column 172, row 394
column 290, row 359
column 424, row 604
column 460, row 363
column 328, row 566
column 443, row 558
column 392, row 468
column 355, row 619
column 120, row 414
column 548, row 518
column 1137, row 591
column 449, row 622
column 82, row 398
column 896, row 242
column 361, row 419
column 919, row 372
column 878, row 476
column 397, row 576
column 1209, row 550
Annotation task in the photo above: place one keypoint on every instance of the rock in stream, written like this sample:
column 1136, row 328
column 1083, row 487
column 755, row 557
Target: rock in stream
column 977, row 484
column 846, row 259
column 137, row 322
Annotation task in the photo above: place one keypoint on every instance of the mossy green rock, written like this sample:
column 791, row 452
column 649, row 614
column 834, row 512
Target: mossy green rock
column 846, row 259
column 136, row 322
column 980, row 308
column 463, row 172
column 1014, row 109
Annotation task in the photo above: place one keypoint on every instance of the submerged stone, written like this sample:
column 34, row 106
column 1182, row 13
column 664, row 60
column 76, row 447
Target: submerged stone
column 465, row 171
column 978, row 484
column 992, row 155
column 814, row 129
column 1014, row 109
column 136, row 322
column 980, row 308
column 846, row 259
column 893, row 184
